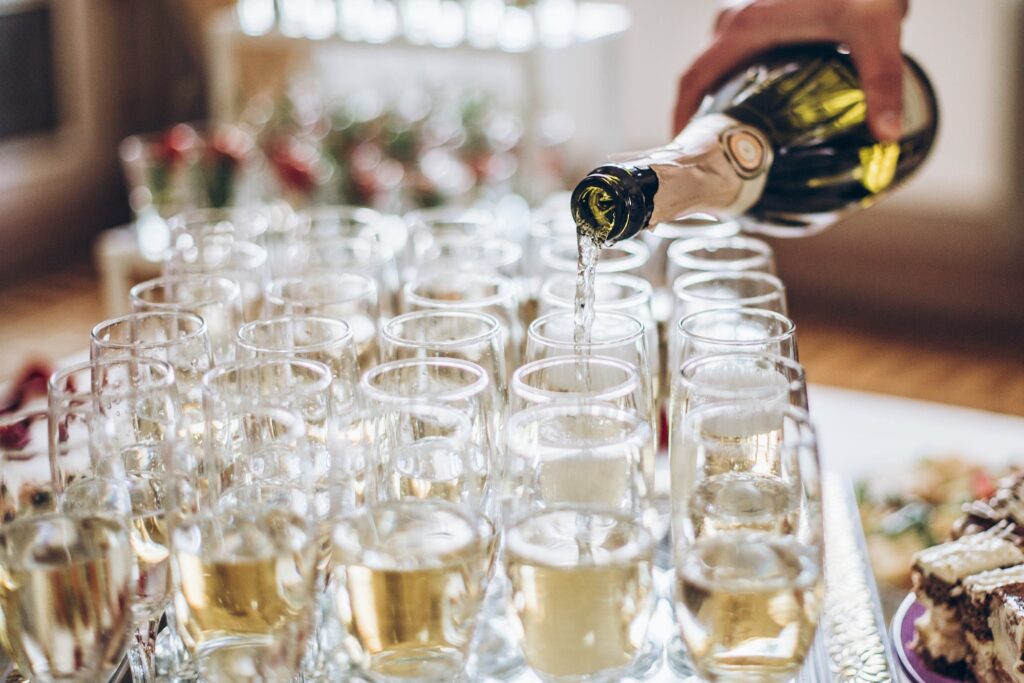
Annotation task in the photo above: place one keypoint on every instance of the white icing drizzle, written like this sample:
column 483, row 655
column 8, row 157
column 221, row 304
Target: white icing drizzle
column 968, row 555
column 979, row 585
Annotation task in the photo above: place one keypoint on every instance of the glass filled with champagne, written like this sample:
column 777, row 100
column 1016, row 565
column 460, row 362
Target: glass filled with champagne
column 409, row 579
column 579, row 545
column 747, row 530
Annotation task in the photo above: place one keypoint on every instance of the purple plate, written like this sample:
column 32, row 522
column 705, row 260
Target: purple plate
column 903, row 635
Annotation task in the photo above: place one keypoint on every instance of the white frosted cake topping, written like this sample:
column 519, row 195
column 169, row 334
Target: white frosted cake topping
column 968, row 555
column 979, row 585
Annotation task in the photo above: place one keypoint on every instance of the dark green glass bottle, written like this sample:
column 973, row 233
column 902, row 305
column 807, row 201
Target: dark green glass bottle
column 783, row 144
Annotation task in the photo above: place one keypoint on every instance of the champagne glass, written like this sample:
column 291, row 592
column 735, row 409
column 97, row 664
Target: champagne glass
column 237, row 403
column 613, row 334
column 180, row 339
column 627, row 294
column 228, row 256
column 747, row 527
column 409, row 578
column 362, row 255
column 344, row 296
column 217, row 300
column 243, row 573
column 732, row 253
column 466, row 290
column 428, row 225
column 192, row 226
column 455, row 383
column 628, row 257
column 726, row 289
column 660, row 239
column 739, row 330
column 309, row 337
column 113, row 423
column 578, row 549
column 66, row 595
column 467, row 335
column 28, row 484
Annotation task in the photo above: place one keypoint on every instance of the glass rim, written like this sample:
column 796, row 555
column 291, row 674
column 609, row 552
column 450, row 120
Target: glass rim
column 679, row 253
column 361, row 215
column 636, row 335
column 164, row 378
column 695, row 226
column 181, row 221
column 232, row 289
column 457, row 215
column 776, row 288
column 492, row 332
column 193, row 335
column 481, row 380
column 795, row 380
column 274, row 292
column 789, row 327
column 504, row 295
column 242, row 253
column 638, row 431
column 377, row 253
column 637, row 254
column 344, row 336
column 641, row 291
column 509, row 252
column 321, row 384
column 534, row 395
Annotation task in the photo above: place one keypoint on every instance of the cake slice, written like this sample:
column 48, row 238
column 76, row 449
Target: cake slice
column 938, row 573
column 983, row 594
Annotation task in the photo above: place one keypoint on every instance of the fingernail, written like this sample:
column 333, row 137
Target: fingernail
column 888, row 126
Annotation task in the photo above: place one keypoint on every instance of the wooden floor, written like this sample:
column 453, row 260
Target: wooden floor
column 50, row 318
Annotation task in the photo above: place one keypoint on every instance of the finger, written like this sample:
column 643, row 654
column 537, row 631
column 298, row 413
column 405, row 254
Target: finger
column 875, row 49
column 749, row 31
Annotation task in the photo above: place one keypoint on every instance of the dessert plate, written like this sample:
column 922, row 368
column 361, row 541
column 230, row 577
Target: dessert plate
column 903, row 635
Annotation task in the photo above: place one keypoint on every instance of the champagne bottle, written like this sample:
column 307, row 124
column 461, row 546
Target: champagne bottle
column 783, row 143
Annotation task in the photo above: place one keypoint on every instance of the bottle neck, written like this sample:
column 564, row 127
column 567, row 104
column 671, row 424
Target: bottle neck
column 716, row 165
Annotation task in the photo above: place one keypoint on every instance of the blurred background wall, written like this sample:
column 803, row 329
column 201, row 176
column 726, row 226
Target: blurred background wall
column 950, row 244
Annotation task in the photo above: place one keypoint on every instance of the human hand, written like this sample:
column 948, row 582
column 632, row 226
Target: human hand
column 870, row 28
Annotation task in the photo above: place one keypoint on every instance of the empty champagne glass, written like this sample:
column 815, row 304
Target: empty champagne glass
column 454, row 383
column 664, row 235
column 228, row 256
column 578, row 550
column 360, row 255
column 627, row 294
column 428, row 225
column 217, row 300
column 468, row 335
column 231, row 396
column 747, row 528
column 344, row 296
column 180, row 339
column 732, row 253
column 740, row 330
column 309, row 337
column 627, row 256
column 192, row 226
column 465, row 290
column 613, row 334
